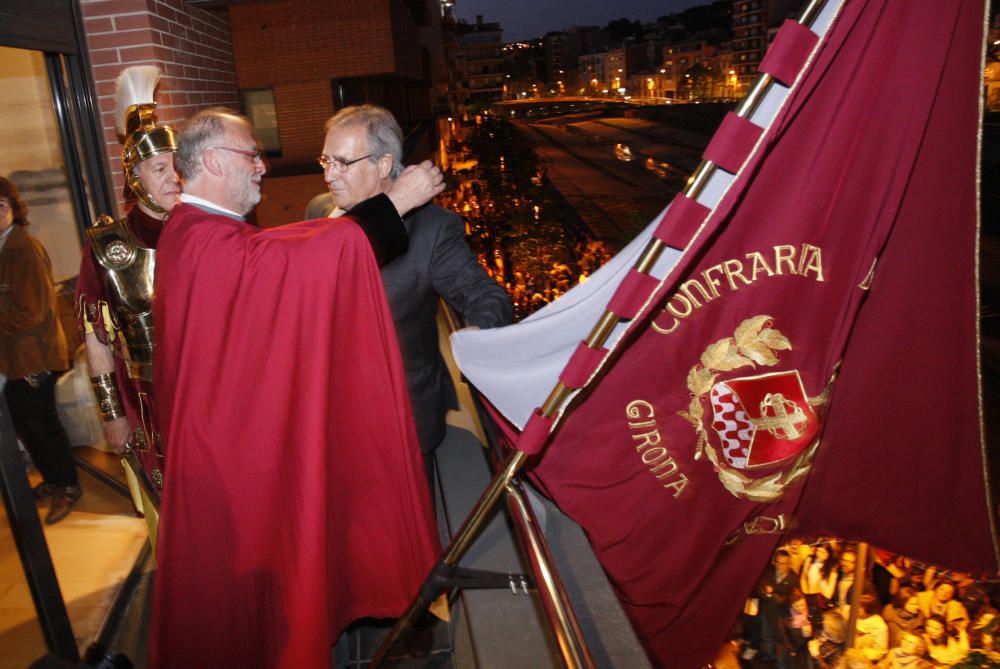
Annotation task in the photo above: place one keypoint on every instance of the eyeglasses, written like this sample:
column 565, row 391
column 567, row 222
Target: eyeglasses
column 338, row 164
column 254, row 155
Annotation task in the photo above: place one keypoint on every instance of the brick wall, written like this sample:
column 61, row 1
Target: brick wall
column 308, row 40
column 193, row 48
column 284, row 199
column 298, row 48
column 295, row 47
column 303, row 109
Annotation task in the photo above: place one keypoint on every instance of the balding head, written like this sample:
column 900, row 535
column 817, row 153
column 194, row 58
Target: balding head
column 218, row 157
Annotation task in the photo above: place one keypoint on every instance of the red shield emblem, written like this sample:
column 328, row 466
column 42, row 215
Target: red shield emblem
column 762, row 419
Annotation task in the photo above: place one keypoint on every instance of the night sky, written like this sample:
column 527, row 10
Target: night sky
column 524, row 19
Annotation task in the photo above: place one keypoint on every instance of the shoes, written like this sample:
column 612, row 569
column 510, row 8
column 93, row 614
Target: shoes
column 43, row 491
column 63, row 501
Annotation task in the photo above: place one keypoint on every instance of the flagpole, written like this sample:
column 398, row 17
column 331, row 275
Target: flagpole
column 860, row 570
column 602, row 330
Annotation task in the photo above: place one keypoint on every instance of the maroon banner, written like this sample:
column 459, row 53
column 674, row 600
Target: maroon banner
column 811, row 361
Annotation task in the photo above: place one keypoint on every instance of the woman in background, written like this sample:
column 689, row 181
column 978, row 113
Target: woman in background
column 903, row 615
column 818, row 581
column 945, row 645
column 33, row 352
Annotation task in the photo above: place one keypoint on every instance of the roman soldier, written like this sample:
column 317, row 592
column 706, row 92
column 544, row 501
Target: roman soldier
column 115, row 289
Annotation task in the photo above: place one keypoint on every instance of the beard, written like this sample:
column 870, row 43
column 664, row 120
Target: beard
column 243, row 192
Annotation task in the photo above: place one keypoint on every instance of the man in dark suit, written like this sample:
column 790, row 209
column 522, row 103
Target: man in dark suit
column 362, row 156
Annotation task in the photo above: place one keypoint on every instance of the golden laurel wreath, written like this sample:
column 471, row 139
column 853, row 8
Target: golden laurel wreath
column 753, row 343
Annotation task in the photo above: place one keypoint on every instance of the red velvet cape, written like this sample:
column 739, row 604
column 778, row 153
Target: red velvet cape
column 297, row 500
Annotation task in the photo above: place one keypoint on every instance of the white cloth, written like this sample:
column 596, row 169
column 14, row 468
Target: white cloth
column 517, row 366
column 77, row 405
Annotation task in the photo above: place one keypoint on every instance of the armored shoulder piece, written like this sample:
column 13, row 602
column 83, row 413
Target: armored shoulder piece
column 112, row 242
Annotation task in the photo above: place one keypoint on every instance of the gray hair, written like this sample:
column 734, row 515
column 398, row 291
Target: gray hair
column 384, row 133
column 196, row 135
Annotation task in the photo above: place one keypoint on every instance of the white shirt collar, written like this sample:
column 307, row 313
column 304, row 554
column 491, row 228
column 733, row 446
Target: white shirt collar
column 194, row 199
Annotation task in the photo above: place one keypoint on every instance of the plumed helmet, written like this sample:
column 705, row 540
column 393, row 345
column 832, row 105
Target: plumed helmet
column 144, row 138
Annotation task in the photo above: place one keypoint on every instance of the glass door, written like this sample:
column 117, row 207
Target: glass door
column 59, row 582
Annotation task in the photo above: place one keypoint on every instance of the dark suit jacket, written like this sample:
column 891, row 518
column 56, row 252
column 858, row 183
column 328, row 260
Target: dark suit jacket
column 437, row 264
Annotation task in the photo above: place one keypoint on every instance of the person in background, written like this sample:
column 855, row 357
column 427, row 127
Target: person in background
column 33, row 352
column 871, row 635
column 774, row 592
column 910, row 654
column 903, row 615
column 945, row 646
column 940, row 601
column 794, row 633
column 827, row 647
column 845, row 581
column 818, row 581
column 114, row 293
column 885, row 575
column 983, row 619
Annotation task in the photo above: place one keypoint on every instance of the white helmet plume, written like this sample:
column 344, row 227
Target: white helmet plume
column 135, row 86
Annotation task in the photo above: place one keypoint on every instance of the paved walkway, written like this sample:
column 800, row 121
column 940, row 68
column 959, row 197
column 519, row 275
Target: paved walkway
column 614, row 198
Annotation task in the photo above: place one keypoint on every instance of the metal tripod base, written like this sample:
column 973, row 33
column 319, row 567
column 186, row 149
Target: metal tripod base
column 446, row 575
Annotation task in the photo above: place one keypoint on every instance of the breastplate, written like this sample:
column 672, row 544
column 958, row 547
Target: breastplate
column 129, row 274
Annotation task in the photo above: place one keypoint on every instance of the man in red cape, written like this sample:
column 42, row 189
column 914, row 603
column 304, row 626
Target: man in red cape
column 297, row 501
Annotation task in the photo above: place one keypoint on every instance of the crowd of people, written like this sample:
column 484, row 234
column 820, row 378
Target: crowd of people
column 520, row 230
column 909, row 615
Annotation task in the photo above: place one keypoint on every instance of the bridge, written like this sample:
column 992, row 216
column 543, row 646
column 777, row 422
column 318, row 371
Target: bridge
column 568, row 104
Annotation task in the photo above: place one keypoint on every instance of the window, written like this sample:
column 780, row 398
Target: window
column 258, row 105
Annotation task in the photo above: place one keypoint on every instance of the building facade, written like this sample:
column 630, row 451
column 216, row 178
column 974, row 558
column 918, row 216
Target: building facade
column 752, row 20
column 478, row 62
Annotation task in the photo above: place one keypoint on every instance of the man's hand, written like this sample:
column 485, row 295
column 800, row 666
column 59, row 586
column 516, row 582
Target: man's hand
column 116, row 433
column 415, row 186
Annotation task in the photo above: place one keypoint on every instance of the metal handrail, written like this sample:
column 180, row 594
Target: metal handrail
column 556, row 605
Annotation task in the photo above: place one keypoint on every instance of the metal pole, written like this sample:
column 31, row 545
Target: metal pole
column 551, row 591
column 860, row 569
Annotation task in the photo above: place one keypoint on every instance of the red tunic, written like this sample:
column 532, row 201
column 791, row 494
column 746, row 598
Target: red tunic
column 296, row 502
column 92, row 291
